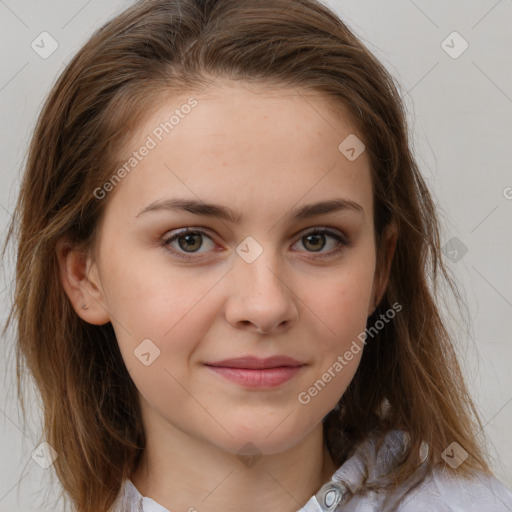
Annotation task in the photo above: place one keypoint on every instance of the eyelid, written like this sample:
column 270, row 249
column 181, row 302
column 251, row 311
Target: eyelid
column 303, row 232
column 315, row 229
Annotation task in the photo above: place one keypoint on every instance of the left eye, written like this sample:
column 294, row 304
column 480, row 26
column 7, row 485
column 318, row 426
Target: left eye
column 316, row 240
column 190, row 241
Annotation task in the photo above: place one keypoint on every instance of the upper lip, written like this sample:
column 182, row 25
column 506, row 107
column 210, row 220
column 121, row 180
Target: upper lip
column 256, row 362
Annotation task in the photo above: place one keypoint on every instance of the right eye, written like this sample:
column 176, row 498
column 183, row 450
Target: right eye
column 187, row 238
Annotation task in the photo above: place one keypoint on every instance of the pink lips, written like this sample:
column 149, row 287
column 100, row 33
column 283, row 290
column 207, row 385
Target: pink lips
column 254, row 372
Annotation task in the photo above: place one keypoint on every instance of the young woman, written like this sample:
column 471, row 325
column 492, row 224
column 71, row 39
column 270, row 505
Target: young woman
column 227, row 271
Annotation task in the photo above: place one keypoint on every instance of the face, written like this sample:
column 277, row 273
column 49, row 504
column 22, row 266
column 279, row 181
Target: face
column 185, row 289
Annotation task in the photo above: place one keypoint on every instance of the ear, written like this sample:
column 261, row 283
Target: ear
column 389, row 239
column 80, row 279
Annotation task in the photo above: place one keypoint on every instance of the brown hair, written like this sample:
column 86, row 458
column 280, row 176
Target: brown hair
column 151, row 50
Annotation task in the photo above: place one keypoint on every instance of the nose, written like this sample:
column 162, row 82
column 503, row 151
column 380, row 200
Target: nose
column 261, row 296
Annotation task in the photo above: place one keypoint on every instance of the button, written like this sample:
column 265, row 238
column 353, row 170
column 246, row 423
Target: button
column 424, row 451
column 330, row 495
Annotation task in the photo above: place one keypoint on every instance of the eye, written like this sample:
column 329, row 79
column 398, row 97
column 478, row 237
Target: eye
column 189, row 241
column 315, row 239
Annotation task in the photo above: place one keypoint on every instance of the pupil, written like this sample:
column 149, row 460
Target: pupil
column 189, row 241
column 315, row 244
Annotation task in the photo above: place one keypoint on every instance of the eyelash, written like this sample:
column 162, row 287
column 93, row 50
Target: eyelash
column 343, row 242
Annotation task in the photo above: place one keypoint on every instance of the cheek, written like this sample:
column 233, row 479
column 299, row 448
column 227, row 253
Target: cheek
column 146, row 294
column 341, row 318
column 341, row 303
column 341, row 307
column 171, row 308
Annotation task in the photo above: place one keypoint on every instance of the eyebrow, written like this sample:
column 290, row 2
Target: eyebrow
column 223, row 212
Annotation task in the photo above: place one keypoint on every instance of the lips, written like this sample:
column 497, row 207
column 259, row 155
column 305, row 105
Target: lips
column 256, row 363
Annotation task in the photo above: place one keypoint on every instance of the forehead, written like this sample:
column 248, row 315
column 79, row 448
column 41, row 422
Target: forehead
column 245, row 145
column 225, row 107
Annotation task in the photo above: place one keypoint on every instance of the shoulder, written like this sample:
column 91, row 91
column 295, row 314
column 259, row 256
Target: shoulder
column 445, row 491
column 365, row 477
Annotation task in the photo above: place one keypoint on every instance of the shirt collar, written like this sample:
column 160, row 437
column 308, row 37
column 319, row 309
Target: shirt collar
column 368, row 462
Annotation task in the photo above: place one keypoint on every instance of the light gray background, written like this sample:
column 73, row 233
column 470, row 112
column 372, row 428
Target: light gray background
column 460, row 113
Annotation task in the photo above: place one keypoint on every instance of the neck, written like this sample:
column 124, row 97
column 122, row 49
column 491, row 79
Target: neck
column 181, row 472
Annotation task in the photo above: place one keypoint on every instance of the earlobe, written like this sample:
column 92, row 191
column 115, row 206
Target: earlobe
column 81, row 283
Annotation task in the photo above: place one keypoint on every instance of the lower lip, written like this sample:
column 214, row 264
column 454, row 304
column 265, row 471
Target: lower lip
column 257, row 378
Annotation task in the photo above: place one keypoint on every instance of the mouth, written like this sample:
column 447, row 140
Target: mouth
column 252, row 372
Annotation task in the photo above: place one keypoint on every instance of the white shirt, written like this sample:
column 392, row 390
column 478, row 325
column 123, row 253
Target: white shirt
column 440, row 491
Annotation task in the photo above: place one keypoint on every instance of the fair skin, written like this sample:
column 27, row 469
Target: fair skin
column 262, row 153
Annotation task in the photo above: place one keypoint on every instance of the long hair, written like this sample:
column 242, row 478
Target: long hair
column 150, row 51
